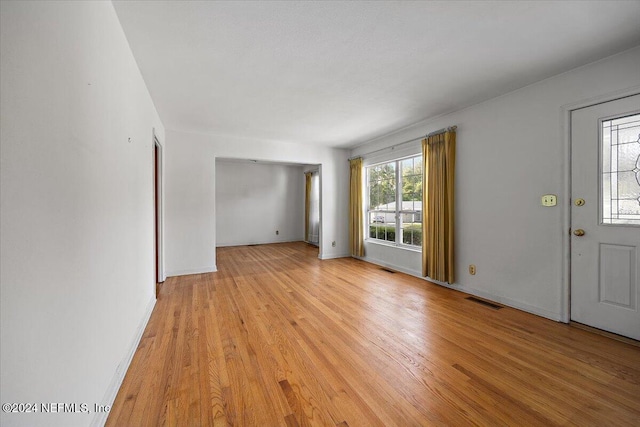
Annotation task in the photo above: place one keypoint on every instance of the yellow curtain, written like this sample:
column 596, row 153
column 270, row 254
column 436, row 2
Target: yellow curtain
column 356, row 226
column 307, row 204
column 439, row 158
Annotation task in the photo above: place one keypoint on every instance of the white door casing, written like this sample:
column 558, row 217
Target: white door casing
column 605, row 261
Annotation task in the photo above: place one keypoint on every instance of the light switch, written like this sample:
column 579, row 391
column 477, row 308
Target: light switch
column 549, row 200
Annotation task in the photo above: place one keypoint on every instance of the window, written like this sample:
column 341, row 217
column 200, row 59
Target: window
column 394, row 208
column 620, row 191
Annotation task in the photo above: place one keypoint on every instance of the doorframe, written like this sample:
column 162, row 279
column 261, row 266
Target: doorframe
column 158, row 206
column 565, row 121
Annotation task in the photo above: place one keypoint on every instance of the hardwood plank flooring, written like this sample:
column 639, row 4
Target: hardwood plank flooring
column 279, row 338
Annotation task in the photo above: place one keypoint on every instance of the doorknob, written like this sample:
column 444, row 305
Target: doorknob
column 579, row 232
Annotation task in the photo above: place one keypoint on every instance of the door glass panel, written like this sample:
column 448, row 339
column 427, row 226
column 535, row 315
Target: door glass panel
column 620, row 158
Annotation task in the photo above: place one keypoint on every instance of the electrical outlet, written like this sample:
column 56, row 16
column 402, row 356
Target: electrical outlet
column 549, row 200
column 472, row 269
column 277, row 232
column 333, row 243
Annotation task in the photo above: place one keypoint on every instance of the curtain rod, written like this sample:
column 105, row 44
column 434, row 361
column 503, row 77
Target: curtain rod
column 394, row 146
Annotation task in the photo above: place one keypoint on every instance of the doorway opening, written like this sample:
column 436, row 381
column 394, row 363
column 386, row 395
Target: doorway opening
column 263, row 202
column 312, row 207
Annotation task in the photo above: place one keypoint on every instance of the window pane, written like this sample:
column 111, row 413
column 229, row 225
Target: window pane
column 411, row 210
column 382, row 186
column 373, row 231
column 390, row 233
column 407, row 167
column 378, row 231
column 621, row 170
column 411, row 182
column 411, row 226
column 382, row 225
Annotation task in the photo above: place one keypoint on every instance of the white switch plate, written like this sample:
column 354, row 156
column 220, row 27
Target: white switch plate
column 549, row 200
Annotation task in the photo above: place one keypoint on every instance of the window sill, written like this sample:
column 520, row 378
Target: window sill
column 394, row 245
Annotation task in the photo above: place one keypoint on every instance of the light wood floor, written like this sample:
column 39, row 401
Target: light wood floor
column 277, row 337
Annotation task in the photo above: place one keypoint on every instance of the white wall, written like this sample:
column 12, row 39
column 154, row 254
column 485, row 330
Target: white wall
column 254, row 200
column 77, row 260
column 510, row 151
column 190, row 221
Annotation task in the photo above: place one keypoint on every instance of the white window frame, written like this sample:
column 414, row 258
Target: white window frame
column 398, row 212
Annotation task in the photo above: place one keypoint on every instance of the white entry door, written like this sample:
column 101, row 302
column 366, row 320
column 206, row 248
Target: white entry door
column 605, row 216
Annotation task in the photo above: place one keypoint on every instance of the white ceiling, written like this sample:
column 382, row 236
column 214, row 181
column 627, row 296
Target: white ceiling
column 342, row 73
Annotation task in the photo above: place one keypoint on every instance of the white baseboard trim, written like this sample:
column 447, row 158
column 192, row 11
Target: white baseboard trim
column 472, row 291
column 224, row 245
column 333, row 256
column 202, row 270
column 100, row 418
column 391, row 266
column 504, row 301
